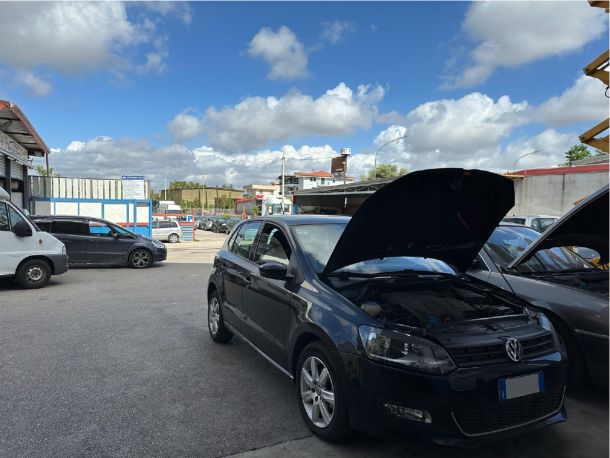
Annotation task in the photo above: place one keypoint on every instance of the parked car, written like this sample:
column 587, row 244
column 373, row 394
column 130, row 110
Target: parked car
column 572, row 292
column 199, row 221
column 538, row 222
column 27, row 254
column 232, row 223
column 392, row 336
column 97, row 241
column 167, row 231
column 220, row 225
column 208, row 222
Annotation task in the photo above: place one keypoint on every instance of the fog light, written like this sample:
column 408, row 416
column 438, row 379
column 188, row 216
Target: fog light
column 422, row 416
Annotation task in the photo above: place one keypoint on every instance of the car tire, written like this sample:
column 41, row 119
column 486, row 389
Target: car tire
column 216, row 325
column 576, row 368
column 33, row 274
column 140, row 259
column 173, row 238
column 320, row 394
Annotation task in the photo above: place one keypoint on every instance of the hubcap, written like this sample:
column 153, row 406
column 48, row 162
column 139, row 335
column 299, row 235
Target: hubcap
column 214, row 315
column 140, row 259
column 317, row 392
column 34, row 274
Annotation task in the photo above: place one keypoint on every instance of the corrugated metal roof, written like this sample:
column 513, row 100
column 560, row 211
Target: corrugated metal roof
column 14, row 123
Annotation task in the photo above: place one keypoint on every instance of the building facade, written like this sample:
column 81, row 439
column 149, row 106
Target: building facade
column 200, row 197
column 300, row 181
column 252, row 190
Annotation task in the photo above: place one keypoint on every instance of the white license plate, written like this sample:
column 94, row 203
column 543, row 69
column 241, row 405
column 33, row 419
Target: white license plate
column 515, row 387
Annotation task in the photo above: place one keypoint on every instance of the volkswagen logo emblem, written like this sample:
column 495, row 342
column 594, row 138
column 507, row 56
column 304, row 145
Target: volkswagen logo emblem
column 514, row 350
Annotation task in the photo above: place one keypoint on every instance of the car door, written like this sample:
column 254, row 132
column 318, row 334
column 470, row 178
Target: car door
column 12, row 249
column 104, row 246
column 266, row 301
column 235, row 266
column 71, row 231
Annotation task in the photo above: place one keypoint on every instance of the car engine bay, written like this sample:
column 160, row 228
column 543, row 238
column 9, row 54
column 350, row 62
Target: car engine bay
column 427, row 303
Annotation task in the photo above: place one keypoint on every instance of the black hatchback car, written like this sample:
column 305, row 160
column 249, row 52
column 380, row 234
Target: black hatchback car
column 97, row 241
column 378, row 325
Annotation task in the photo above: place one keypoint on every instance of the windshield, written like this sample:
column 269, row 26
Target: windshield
column 319, row 240
column 507, row 242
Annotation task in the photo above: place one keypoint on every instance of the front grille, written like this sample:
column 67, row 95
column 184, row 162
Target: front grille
column 496, row 353
column 508, row 414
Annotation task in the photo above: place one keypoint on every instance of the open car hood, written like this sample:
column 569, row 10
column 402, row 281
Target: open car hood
column 585, row 225
column 445, row 214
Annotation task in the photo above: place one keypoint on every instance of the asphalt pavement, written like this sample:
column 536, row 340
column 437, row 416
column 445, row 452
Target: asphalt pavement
column 117, row 362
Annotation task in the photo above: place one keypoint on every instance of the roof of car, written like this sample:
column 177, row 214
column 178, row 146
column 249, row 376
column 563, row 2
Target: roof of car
column 532, row 216
column 293, row 220
column 65, row 217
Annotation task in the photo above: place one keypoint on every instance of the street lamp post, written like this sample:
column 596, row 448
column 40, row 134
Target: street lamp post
column 377, row 153
column 283, row 180
column 524, row 155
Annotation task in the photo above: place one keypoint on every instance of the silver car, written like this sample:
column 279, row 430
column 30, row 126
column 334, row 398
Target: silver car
column 166, row 230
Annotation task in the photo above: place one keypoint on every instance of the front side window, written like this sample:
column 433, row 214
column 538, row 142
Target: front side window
column 68, row 227
column 245, row 238
column 14, row 216
column 272, row 246
column 99, row 229
column 4, row 222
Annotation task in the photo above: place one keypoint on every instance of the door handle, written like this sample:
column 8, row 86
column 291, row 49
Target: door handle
column 247, row 282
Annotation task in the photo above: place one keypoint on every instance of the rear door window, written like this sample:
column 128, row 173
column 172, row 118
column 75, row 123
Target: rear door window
column 244, row 239
column 68, row 227
column 167, row 224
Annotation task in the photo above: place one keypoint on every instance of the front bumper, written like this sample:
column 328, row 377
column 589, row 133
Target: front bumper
column 60, row 263
column 159, row 254
column 464, row 406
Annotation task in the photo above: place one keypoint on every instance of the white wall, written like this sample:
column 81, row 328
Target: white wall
column 554, row 194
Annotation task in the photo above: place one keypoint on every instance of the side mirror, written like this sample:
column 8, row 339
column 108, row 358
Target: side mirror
column 116, row 235
column 273, row 270
column 22, row 229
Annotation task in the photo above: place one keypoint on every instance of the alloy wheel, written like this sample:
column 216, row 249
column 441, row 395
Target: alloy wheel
column 140, row 259
column 214, row 315
column 317, row 392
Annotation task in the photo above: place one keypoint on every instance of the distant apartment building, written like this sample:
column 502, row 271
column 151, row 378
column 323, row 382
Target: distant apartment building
column 252, row 190
column 308, row 180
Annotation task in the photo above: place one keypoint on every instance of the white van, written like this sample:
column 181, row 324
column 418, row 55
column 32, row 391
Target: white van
column 166, row 230
column 27, row 254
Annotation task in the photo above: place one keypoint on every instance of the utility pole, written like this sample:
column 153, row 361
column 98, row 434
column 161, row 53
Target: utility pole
column 165, row 185
column 377, row 153
column 283, row 180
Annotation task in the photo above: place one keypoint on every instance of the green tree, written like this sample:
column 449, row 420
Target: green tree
column 42, row 171
column 181, row 184
column 384, row 171
column 575, row 153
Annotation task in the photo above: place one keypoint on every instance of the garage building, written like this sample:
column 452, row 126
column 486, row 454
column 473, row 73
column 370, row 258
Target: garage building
column 18, row 143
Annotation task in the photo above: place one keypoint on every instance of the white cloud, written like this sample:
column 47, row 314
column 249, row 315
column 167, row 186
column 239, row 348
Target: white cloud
column 510, row 34
column 334, row 31
column 35, row 85
column 284, row 53
column 463, row 125
column 72, row 38
column 184, row 126
column 110, row 158
column 257, row 121
column 584, row 101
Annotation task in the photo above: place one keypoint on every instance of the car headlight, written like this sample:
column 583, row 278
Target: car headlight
column 546, row 324
column 406, row 350
column 158, row 244
column 63, row 249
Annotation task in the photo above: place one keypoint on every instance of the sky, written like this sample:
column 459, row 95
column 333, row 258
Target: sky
column 220, row 91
